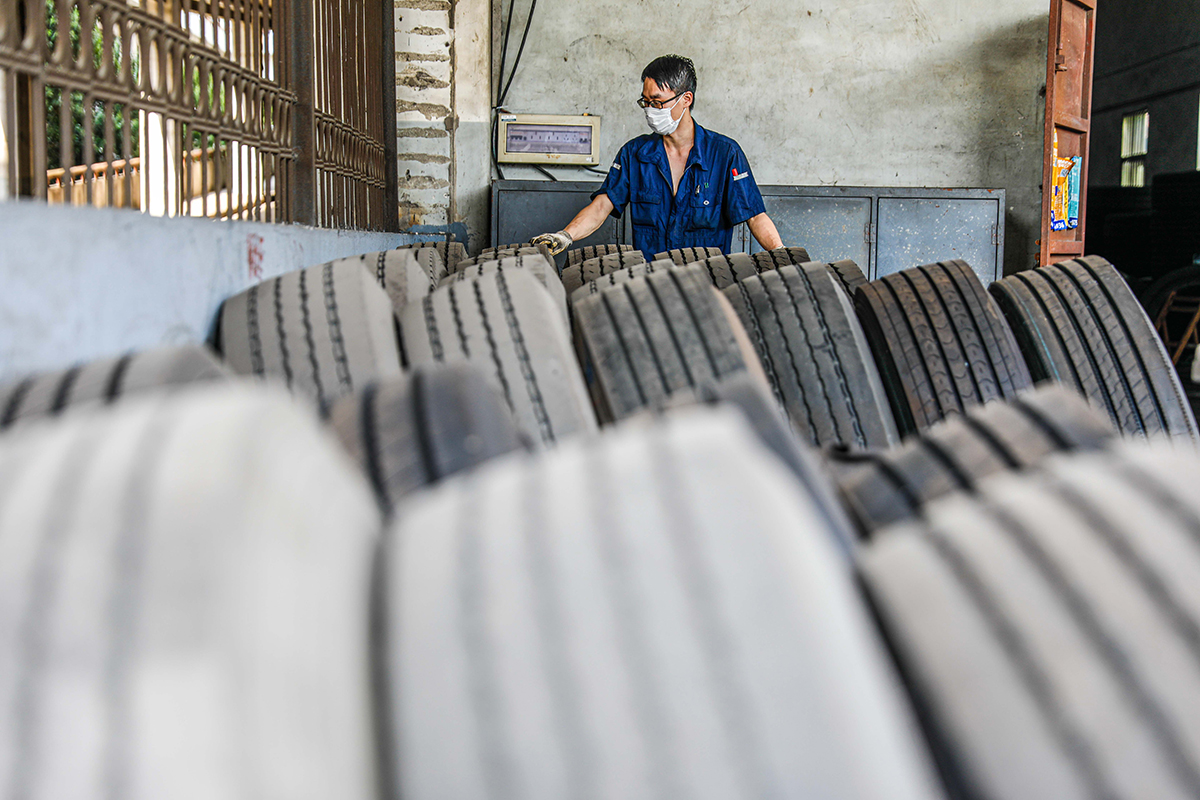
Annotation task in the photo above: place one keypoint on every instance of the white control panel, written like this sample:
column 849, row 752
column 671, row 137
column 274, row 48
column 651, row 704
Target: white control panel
column 548, row 139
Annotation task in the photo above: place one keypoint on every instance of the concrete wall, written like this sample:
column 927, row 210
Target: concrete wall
column 443, row 122
column 937, row 93
column 83, row 283
column 1146, row 62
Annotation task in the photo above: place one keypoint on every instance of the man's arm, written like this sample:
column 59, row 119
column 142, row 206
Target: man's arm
column 764, row 231
column 586, row 222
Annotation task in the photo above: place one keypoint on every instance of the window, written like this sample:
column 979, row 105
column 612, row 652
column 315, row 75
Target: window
column 1135, row 141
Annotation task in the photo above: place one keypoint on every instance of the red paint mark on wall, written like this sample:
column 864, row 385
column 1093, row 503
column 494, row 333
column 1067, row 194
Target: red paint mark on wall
column 254, row 255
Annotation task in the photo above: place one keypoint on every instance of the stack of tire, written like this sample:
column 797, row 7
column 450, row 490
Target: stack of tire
column 426, row 525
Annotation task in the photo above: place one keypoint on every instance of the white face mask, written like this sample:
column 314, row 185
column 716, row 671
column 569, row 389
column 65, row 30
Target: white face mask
column 660, row 120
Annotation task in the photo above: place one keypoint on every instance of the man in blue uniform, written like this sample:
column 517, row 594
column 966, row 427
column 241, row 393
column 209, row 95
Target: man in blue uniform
column 686, row 186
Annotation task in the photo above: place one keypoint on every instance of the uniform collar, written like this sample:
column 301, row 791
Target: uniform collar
column 652, row 150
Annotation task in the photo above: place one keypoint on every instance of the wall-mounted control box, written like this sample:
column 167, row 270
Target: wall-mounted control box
column 548, row 139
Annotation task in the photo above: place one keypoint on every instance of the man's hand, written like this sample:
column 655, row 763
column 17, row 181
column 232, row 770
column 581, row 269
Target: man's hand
column 557, row 242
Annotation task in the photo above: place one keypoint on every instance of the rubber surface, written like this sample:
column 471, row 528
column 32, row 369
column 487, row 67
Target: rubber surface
column 1048, row 627
column 544, row 271
column 883, row 488
column 815, row 356
column 687, row 255
column 506, row 322
column 940, row 343
column 406, row 275
column 683, row 628
column 323, row 331
column 184, row 603
column 780, row 257
column 646, row 339
column 450, row 252
column 1079, row 323
column 107, row 381
column 849, row 275
column 410, row 432
column 576, row 275
column 581, row 254
column 509, row 251
column 638, row 270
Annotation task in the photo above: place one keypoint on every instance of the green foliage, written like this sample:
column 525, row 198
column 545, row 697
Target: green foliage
column 54, row 99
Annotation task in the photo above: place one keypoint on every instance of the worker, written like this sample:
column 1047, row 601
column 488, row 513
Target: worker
column 688, row 186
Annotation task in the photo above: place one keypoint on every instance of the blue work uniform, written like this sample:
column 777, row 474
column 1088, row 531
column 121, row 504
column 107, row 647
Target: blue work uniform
column 716, row 193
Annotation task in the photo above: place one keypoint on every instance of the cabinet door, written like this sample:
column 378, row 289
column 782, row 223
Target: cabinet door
column 525, row 211
column 829, row 228
column 1068, row 123
column 921, row 230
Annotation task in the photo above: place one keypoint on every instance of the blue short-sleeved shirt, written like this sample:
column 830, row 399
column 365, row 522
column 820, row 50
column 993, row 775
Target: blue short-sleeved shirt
column 716, row 193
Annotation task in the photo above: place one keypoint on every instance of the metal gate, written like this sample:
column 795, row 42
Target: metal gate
column 271, row 110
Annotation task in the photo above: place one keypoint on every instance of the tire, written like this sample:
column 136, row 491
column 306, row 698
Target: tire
column 406, row 275
column 884, row 488
column 107, row 381
column 576, row 275
column 646, row 339
column 414, row 431
column 509, row 251
column 1048, row 628
column 688, row 255
column 675, row 630
column 185, row 595
column 544, row 271
column 450, row 252
column 1079, row 323
column 940, row 342
column 324, row 331
column 849, row 275
column 581, row 254
column 507, row 324
column 780, row 257
column 815, row 356
column 638, row 270
column 1156, row 294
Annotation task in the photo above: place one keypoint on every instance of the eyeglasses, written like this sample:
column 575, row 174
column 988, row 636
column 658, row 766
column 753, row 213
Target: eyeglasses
column 644, row 103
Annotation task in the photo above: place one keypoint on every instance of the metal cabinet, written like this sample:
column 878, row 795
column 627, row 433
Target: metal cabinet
column 885, row 230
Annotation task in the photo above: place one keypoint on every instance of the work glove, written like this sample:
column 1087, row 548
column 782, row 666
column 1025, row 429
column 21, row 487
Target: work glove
column 557, row 242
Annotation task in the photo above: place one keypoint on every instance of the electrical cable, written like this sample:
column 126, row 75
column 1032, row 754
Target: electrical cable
column 520, row 51
column 545, row 172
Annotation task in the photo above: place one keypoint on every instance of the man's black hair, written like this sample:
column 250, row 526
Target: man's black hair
column 673, row 72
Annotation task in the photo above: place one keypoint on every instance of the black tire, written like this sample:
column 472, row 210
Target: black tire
column 406, row 275
column 1079, row 323
column 646, row 339
column 688, row 255
column 581, row 254
column 849, row 275
column 1155, row 295
column 107, row 381
column 507, row 324
column 1047, row 628
column 815, row 356
column 323, row 331
column 940, row 342
column 414, row 431
column 638, row 270
column 450, row 252
column 676, row 630
column 884, row 488
column 167, row 546
column 508, row 251
column 780, row 257
column 576, row 275
column 544, row 271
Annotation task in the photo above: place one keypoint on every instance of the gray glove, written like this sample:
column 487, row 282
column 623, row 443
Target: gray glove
column 557, row 242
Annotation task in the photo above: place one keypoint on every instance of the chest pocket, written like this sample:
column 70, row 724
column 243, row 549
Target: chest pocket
column 645, row 210
column 705, row 212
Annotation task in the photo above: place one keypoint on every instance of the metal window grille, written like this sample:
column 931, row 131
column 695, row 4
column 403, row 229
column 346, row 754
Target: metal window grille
column 270, row 110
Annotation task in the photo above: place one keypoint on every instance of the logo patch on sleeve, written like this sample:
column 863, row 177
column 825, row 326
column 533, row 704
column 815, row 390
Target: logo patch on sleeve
column 738, row 176
column 616, row 165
